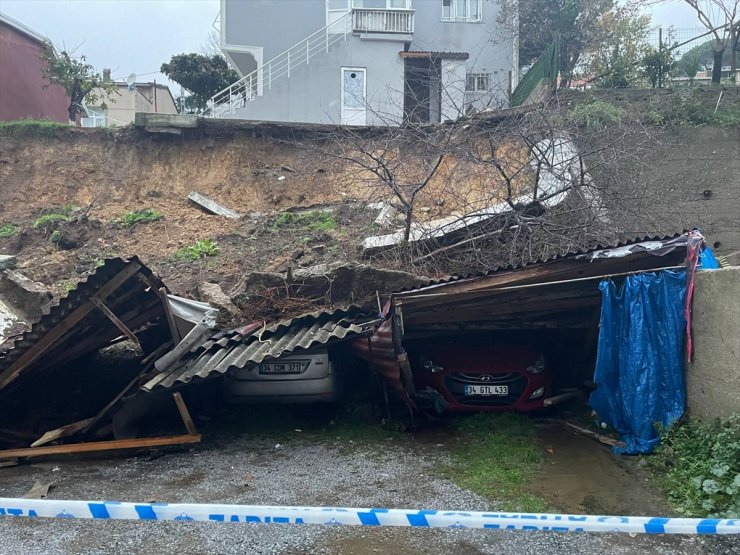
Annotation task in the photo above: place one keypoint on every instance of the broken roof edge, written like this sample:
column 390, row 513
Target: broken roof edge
column 597, row 252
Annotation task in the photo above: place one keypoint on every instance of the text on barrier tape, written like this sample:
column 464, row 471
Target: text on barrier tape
column 363, row 517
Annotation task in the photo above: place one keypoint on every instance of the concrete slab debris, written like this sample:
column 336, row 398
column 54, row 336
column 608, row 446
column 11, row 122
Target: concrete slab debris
column 7, row 261
column 212, row 206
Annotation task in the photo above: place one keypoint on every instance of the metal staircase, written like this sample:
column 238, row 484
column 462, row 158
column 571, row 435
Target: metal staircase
column 248, row 88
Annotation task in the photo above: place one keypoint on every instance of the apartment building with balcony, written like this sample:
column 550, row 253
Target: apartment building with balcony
column 365, row 62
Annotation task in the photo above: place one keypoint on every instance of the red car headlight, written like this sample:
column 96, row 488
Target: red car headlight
column 538, row 367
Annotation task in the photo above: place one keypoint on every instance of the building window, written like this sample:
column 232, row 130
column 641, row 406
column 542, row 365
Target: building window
column 462, row 10
column 478, row 82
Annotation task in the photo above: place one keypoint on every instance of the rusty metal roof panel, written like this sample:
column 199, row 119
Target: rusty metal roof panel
column 236, row 350
column 575, row 253
column 133, row 300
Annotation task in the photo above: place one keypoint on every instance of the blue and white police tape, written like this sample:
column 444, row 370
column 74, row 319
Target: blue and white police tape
column 114, row 510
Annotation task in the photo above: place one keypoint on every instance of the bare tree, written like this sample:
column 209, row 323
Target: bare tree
column 721, row 18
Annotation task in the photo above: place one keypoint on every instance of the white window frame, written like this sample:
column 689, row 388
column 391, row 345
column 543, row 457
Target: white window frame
column 476, row 76
column 357, row 4
column 454, row 18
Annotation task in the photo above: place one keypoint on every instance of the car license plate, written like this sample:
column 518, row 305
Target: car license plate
column 294, row 367
column 486, row 390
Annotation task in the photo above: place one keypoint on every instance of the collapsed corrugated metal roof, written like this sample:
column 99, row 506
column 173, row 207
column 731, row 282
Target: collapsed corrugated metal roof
column 600, row 250
column 120, row 297
column 258, row 342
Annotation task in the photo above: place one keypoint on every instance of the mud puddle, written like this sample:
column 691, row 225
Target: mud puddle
column 580, row 475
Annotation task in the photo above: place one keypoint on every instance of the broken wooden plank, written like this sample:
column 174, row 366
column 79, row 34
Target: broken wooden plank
column 550, row 401
column 96, row 446
column 174, row 332
column 100, row 305
column 48, row 340
column 8, row 463
column 606, row 440
column 212, row 206
column 59, row 433
column 184, row 414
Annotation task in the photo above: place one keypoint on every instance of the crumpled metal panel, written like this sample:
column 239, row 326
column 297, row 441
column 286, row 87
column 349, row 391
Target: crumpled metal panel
column 234, row 350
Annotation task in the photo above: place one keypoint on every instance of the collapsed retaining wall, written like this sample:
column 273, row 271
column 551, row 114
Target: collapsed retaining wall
column 713, row 379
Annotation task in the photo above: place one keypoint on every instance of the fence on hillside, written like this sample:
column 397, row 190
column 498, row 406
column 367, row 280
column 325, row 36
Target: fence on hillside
column 546, row 68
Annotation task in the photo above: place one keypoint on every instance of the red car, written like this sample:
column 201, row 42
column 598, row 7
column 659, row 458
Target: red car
column 480, row 377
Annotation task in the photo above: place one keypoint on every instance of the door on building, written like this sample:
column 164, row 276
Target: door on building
column 354, row 96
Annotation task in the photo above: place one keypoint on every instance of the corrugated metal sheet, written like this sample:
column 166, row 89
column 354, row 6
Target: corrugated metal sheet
column 134, row 301
column 575, row 253
column 253, row 344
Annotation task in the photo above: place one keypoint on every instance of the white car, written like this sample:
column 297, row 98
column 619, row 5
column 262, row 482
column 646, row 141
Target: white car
column 298, row 378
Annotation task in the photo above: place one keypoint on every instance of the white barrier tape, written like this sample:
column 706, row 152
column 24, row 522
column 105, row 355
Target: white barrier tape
column 115, row 510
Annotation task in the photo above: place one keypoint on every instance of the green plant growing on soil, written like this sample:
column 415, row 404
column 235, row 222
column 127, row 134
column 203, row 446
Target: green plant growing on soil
column 8, row 230
column 145, row 215
column 31, row 128
column 313, row 220
column 497, row 458
column 42, row 221
column 698, row 465
column 56, row 236
column 597, row 114
column 201, row 249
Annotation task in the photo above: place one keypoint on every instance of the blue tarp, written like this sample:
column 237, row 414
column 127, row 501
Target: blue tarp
column 707, row 260
column 639, row 366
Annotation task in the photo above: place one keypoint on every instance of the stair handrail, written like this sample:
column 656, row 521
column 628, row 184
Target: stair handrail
column 245, row 89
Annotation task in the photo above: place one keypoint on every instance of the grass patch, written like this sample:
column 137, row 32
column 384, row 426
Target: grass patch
column 497, row 458
column 313, row 220
column 50, row 218
column 597, row 114
column 146, row 215
column 201, row 249
column 698, row 465
column 31, row 128
column 8, row 230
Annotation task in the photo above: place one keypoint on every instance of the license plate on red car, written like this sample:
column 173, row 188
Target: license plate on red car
column 486, row 390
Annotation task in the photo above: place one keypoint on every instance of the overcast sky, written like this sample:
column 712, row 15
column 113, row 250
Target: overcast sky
column 137, row 36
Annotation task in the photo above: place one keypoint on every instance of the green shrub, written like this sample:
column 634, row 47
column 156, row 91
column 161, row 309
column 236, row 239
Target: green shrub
column 56, row 236
column 145, row 215
column 200, row 249
column 597, row 114
column 8, row 230
column 51, row 218
column 699, row 467
column 313, row 220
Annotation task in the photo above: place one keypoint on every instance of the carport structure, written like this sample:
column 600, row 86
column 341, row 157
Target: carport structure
column 560, row 294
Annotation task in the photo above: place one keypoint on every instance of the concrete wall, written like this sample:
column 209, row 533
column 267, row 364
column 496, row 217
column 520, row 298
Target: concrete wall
column 22, row 92
column 713, row 379
column 312, row 93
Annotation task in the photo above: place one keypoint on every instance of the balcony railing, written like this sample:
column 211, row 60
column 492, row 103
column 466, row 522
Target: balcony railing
column 382, row 21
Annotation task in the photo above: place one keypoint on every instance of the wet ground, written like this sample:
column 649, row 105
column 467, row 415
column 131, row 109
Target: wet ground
column 582, row 476
column 299, row 469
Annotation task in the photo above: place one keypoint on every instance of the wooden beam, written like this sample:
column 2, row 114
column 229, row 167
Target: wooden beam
column 184, row 414
column 100, row 305
column 48, row 340
column 59, row 433
column 174, row 332
column 606, row 440
column 94, row 446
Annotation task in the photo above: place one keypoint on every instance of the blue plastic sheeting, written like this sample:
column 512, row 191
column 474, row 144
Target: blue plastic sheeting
column 707, row 260
column 639, row 366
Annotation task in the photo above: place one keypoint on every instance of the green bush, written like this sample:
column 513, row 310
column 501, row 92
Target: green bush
column 699, row 466
column 145, row 215
column 597, row 114
column 56, row 236
column 200, row 249
column 8, row 230
column 313, row 220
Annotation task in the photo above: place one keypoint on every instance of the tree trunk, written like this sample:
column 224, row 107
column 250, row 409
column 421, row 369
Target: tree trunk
column 717, row 68
column 407, row 226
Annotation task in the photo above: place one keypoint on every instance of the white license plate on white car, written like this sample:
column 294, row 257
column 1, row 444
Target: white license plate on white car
column 296, row 367
column 486, row 390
